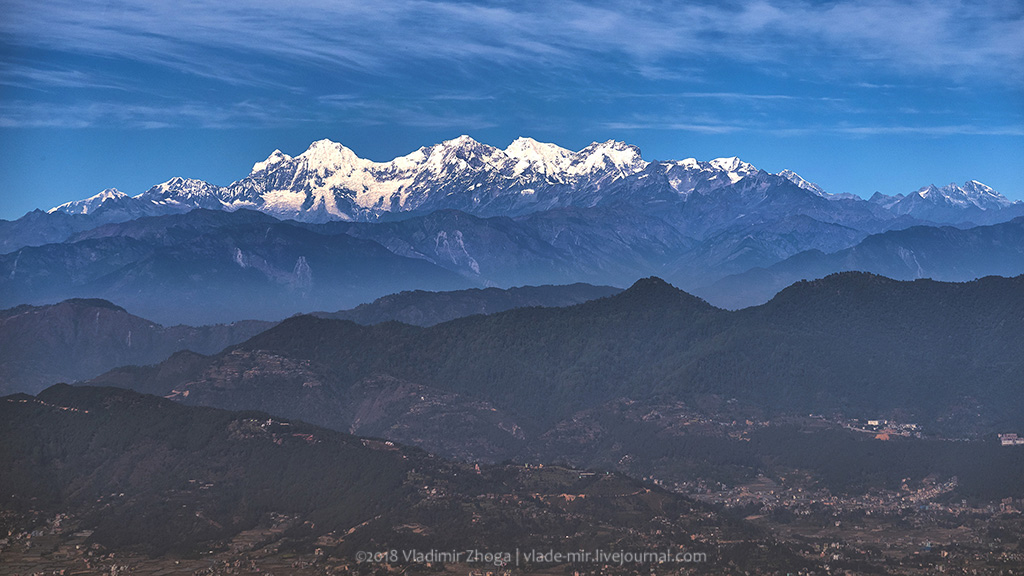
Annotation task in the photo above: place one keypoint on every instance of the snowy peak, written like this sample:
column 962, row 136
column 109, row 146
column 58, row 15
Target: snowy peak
column 463, row 141
column 108, row 194
column 448, row 157
column 730, row 164
column 458, row 152
column 275, row 158
column 984, row 195
column 621, row 158
column 544, row 158
column 326, row 156
column 91, row 204
column 524, row 147
column 799, row 181
column 722, row 165
column 973, row 202
column 461, row 147
column 973, row 193
column 734, row 167
column 687, row 163
column 180, row 189
column 975, row 187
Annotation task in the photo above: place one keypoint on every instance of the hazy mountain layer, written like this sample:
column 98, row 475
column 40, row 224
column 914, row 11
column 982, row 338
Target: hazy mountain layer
column 80, row 339
column 947, row 253
column 206, row 267
column 942, row 355
column 213, row 266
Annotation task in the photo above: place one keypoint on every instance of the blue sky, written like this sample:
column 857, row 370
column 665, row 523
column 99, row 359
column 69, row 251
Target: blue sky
column 857, row 96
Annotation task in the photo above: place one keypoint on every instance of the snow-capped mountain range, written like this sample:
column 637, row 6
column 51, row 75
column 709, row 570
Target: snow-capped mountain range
column 973, row 193
column 330, row 182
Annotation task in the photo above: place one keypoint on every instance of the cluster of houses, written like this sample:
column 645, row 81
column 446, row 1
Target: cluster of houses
column 885, row 429
column 1011, row 440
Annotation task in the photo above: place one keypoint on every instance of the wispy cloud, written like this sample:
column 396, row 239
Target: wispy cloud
column 248, row 41
column 24, row 114
column 954, row 130
column 336, row 109
column 434, row 63
column 711, row 125
column 432, row 112
column 696, row 127
column 51, row 78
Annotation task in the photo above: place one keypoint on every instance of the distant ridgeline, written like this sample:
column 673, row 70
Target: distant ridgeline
column 584, row 381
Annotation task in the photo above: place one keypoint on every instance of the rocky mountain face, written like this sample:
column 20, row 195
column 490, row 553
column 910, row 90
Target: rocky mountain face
column 210, row 266
column 594, row 245
column 214, row 266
